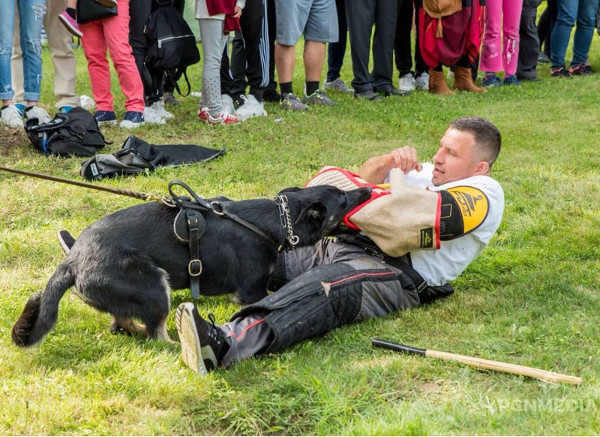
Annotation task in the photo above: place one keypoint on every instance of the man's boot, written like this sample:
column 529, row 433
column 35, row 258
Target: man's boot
column 437, row 83
column 464, row 81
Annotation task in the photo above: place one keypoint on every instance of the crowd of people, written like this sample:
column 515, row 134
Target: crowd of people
column 498, row 37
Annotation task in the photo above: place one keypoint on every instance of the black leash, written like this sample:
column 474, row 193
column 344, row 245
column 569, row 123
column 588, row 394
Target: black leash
column 196, row 225
column 140, row 196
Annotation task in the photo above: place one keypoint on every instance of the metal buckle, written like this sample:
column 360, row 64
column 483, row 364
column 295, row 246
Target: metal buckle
column 422, row 287
column 217, row 207
column 195, row 267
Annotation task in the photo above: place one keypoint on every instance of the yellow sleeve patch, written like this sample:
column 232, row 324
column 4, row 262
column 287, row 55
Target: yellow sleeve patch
column 474, row 206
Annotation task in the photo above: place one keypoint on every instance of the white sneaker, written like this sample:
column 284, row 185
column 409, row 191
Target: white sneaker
column 87, row 102
column 36, row 112
column 227, row 103
column 159, row 108
column 152, row 117
column 222, row 118
column 422, row 81
column 407, row 82
column 11, row 116
column 250, row 108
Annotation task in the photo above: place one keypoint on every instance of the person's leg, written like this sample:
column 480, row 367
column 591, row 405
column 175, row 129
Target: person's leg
column 317, row 302
column 543, row 30
column 553, row 14
column 95, row 50
column 561, row 33
column 321, row 28
column 314, row 59
column 360, row 16
column 237, row 66
column 271, row 93
column 116, row 34
column 256, row 40
column 139, row 11
column 291, row 17
column 7, row 20
column 402, row 38
column 511, row 17
column 491, row 48
column 31, row 15
column 285, row 59
column 528, row 43
column 421, row 68
column 386, row 16
column 63, row 57
column 586, row 21
column 16, row 65
column 213, row 44
column 337, row 50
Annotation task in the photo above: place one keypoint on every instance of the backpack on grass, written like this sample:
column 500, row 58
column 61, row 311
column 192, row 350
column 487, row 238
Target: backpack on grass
column 74, row 133
column 171, row 44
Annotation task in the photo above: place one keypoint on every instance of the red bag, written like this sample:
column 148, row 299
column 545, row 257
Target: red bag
column 226, row 7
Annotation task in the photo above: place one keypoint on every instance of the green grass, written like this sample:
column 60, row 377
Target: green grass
column 531, row 298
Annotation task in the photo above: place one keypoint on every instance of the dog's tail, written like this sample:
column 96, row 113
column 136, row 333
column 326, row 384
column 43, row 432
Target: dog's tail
column 41, row 311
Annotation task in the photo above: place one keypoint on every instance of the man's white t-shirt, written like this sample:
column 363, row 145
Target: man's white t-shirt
column 438, row 267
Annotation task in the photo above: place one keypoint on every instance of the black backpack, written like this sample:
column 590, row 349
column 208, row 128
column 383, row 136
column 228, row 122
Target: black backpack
column 171, row 44
column 74, row 133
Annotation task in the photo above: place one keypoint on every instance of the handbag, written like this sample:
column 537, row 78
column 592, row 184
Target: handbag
column 90, row 10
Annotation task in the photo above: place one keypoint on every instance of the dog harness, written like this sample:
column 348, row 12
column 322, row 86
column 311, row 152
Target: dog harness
column 189, row 225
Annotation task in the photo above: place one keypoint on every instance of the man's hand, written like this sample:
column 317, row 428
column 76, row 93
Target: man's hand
column 406, row 159
column 238, row 12
column 376, row 169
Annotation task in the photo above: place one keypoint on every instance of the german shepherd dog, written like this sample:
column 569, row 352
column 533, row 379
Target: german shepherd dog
column 127, row 263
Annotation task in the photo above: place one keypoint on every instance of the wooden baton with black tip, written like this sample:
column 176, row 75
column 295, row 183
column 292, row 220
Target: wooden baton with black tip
column 499, row 366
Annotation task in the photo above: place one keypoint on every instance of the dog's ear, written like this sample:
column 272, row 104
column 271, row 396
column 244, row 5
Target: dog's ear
column 289, row 190
column 314, row 213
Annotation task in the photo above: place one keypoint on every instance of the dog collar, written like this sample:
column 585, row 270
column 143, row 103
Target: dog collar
column 291, row 239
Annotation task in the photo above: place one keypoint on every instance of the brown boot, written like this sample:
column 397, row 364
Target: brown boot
column 464, row 81
column 437, row 83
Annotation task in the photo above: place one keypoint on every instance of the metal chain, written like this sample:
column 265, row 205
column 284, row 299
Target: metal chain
column 286, row 220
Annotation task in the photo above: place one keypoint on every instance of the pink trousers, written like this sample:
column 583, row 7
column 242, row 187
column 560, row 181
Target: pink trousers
column 500, row 47
column 112, row 34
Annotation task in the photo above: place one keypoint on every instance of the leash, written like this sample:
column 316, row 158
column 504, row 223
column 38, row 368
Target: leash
column 195, row 222
column 141, row 196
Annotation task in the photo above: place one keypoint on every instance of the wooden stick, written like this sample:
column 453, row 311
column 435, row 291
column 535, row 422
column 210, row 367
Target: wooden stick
column 498, row 366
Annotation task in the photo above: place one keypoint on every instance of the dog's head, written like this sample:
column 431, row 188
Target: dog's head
column 317, row 211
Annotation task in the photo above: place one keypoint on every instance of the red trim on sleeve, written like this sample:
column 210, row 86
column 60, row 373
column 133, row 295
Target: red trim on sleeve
column 438, row 215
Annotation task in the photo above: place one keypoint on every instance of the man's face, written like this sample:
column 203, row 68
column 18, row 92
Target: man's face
column 456, row 158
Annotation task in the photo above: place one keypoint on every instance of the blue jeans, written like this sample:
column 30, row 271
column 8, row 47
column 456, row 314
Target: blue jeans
column 570, row 11
column 31, row 14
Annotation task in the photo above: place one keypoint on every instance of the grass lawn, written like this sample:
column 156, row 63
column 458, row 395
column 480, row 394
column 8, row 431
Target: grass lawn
column 531, row 298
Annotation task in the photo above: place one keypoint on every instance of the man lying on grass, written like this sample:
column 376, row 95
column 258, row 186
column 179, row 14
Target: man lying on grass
column 353, row 278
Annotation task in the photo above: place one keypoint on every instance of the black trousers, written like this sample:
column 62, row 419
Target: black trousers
column 337, row 50
column 545, row 25
column 152, row 79
column 402, row 41
column 250, row 55
column 529, row 44
column 271, row 22
column 361, row 15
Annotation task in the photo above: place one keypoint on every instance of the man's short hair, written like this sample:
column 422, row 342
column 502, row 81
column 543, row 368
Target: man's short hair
column 486, row 134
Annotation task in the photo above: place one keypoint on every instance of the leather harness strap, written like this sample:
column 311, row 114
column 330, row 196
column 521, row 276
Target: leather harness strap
column 193, row 207
column 195, row 222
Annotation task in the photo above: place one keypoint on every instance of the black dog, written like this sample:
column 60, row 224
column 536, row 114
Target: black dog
column 127, row 263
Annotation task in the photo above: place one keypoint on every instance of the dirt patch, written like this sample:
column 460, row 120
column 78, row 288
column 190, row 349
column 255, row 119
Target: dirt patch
column 11, row 138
